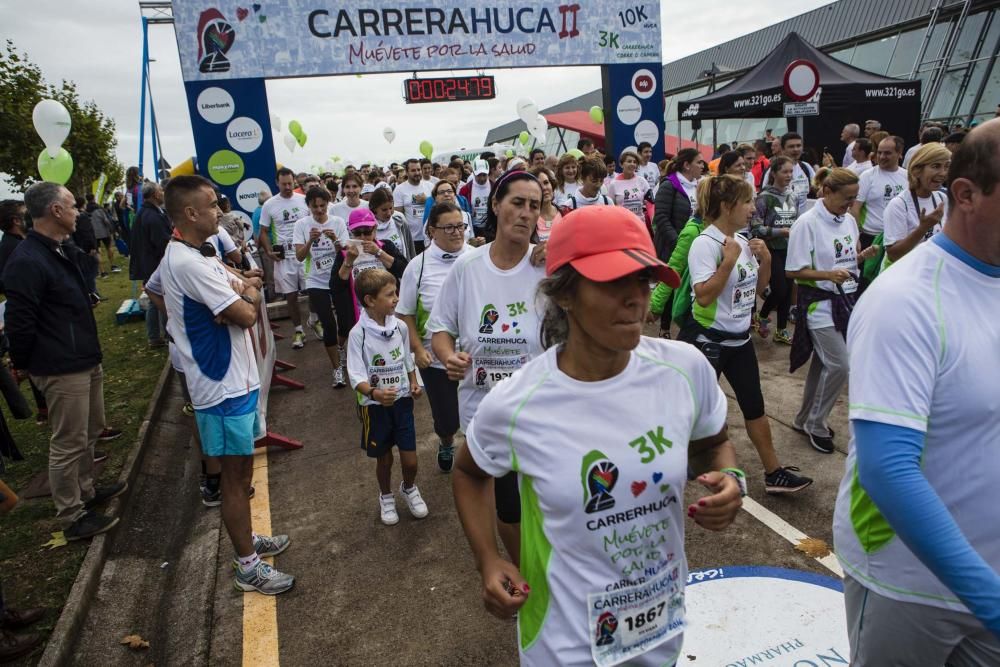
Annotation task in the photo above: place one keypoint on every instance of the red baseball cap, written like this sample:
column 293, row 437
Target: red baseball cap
column 605, row 243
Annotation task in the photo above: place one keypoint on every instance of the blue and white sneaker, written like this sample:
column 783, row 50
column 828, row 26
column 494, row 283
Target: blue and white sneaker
column 270, row 546
column 263, row 579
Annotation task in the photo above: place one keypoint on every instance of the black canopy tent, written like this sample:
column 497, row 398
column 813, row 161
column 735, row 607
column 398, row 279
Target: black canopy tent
column 846, row 95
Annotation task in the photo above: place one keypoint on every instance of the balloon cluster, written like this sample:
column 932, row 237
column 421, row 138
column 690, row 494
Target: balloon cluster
column 538, row 127
column 295, row 137
column 52, row 123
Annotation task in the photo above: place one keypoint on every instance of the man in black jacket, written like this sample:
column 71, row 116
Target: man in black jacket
column 53, row 336
column 86, row 240
column 151, row 232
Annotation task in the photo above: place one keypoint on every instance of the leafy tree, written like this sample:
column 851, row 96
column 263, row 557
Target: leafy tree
column 91, row 140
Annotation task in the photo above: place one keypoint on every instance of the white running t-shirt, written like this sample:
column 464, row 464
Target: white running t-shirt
column 278, row 215
column 877, row 188
column 923, row 346
column 630, row 194
column 494, row 316
column 480, row 196
column 343, row 211
column 732, row 310
column 901, row 217
column 319, row 262
column 422, row 280
column 404, row 196
column 602, row 468
column 824, row 242
column 380, row 356
column 651, row 173
column 218, row 359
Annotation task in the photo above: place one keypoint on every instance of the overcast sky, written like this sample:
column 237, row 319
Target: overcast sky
column 98, row 44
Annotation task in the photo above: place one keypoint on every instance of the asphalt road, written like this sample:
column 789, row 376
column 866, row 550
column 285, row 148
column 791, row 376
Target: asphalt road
column 368, row 594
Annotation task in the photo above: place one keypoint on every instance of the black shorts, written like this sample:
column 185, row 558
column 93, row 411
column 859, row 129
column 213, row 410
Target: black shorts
column 383, row 427
column 739, row 365
column 442, row 394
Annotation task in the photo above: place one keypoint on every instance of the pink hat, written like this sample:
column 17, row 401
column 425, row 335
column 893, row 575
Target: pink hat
column 361, row 217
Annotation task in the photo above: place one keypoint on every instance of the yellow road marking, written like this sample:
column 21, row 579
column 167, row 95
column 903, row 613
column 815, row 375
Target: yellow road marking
column 260, row 612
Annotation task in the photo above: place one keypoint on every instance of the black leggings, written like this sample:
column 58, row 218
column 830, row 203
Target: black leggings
column 780, row 298
column 508, row 498
column 442, row 394
column 739, row 365
column 321, row 304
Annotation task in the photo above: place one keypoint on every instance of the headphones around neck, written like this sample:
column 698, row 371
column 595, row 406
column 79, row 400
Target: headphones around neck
column 206, row 249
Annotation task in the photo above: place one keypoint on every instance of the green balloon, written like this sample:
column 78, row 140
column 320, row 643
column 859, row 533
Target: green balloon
column 301, row 139
column 426, row 149
column 597, row 115
column 524, row 137
column 295, row 129
column 56, row 169
column 509, row 153
column 575, row 152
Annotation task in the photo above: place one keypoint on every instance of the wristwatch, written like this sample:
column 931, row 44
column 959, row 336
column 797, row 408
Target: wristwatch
column 740, row 478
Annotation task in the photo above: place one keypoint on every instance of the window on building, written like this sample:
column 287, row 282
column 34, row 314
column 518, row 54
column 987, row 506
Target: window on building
column 905, row 55
column 874, row 56
column 944, row 101
column 845, row 54
column 965, row 49
column 991, row 91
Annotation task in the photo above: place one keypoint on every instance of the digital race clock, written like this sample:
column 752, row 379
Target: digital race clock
column 449, row 89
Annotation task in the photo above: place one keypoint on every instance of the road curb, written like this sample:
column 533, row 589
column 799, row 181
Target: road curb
column 63, row 638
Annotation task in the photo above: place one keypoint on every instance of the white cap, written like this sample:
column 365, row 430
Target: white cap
column 367, row 188
column 480, row 167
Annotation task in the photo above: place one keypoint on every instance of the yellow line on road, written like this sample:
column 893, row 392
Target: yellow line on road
column 260, row 612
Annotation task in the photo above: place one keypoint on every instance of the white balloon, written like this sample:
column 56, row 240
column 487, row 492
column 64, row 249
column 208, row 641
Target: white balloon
column 52, row 123
column 527, row 110
column 276, row 122
column 540, row 128
column 290, row 142
column 389, row 134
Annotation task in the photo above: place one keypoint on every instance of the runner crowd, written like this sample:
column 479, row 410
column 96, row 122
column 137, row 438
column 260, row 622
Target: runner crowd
column 513, row 291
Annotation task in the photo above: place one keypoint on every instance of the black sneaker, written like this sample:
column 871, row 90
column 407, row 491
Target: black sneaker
column 88, row 525
column 109, row 434
column 799, row 429
column 784, row 480
column 100, row 456
column 105, row 493
column 446, row 457
column 822, row 443
column 211, row 498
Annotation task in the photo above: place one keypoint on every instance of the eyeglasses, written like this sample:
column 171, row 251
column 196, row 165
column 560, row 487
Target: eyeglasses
column 451, row 229
column 445, row 191
column 362, row 231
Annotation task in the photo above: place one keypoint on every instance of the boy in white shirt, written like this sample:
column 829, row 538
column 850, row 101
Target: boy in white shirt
column 592, row 175
column 381, row 370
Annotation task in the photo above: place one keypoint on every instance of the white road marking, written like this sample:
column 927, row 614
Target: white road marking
column 787, row 531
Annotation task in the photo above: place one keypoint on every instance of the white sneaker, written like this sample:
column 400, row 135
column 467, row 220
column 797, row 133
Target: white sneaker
column 298, row 340
column 338, row 378
column 418, row 508
column 387, row 506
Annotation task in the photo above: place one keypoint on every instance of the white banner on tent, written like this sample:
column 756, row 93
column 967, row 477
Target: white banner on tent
column 227, row 39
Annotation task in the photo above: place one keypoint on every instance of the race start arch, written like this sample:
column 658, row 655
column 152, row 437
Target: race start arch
column 228, row 48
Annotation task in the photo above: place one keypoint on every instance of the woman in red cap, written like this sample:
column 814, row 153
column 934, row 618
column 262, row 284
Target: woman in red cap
column 619, row 416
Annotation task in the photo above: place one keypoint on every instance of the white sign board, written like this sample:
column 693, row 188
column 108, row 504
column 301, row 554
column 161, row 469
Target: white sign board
column 740, row 616
column 230, row 39
column 797, row 109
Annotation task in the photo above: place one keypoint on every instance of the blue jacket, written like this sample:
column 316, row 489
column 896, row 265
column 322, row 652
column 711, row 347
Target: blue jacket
column 49, row 318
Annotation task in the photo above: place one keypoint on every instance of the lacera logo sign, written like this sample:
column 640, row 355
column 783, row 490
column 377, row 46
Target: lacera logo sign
column 244, row 134
column 215, row 38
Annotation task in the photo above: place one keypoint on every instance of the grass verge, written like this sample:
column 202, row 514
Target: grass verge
column 33, row 575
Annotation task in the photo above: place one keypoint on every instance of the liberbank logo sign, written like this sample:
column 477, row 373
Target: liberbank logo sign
column 224, row 40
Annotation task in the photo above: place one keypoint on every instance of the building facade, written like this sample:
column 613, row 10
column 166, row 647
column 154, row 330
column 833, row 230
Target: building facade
column 951, row 46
